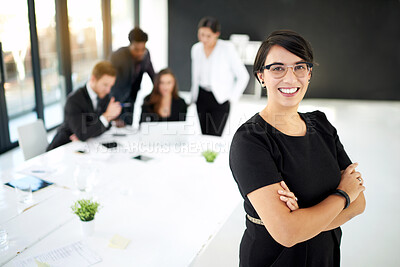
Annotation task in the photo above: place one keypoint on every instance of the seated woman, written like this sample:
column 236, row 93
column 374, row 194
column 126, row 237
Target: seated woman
column 164, row 103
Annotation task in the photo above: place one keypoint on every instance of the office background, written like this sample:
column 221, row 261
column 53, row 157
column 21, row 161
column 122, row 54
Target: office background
column 356, row 43
column 49, row 47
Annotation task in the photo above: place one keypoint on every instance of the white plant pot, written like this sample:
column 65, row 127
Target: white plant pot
column 87, row 227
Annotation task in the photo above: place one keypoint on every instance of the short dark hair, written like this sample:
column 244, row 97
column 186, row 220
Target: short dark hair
column 211, row 23
column 137, row 35
column 290, row 40
column 103, row 68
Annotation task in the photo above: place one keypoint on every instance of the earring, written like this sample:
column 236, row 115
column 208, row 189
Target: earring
column 263, row 86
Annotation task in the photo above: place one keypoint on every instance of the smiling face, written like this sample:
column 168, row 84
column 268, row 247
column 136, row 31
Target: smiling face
column 167, row 84
column 288, row 91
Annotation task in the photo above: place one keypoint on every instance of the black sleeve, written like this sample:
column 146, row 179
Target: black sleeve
column 149, row 68
column 250, row 159
column 182, row 109
column 116, row 61
column 83, row 124
column 121, row 86
column 342, row 157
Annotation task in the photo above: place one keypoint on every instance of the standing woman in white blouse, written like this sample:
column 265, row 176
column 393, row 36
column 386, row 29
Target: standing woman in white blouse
column 218, row 77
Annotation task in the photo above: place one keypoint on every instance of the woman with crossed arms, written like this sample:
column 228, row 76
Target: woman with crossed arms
column 299, row 185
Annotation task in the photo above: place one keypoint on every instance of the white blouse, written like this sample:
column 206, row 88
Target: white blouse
column 227, row 75
column 205, row 72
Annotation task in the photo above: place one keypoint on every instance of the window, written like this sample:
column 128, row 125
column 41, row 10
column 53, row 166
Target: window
column 122, row 14
column 18, row 86
column 86, row 38
column 53, row 86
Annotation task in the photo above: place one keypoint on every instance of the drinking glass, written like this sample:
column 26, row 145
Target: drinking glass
column 24, row 193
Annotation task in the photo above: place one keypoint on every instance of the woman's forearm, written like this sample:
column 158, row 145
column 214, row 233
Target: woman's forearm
column 289, row 228
column 304, row 224
column 356, row 208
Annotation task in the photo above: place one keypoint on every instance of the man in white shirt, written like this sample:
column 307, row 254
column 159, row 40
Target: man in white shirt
column 89, row 110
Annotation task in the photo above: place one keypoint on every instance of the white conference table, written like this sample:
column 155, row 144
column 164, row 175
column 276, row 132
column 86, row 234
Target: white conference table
column 169, row 207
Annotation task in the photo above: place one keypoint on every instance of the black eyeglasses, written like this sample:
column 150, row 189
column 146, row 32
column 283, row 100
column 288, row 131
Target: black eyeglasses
column 279, row 70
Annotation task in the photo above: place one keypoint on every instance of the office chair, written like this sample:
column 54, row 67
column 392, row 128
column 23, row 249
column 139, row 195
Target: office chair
column 32, row 139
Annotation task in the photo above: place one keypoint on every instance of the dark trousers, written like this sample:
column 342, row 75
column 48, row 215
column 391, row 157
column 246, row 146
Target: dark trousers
column 212, row 115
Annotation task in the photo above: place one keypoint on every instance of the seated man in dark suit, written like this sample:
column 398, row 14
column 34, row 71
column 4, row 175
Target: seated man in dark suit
column 89, row 110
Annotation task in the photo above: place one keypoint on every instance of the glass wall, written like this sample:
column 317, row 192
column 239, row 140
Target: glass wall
column 86, row 37
column 19, row 87
column 122, row 22
column 53, row 86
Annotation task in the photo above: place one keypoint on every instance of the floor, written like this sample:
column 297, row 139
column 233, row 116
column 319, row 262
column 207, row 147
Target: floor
column 370, row 132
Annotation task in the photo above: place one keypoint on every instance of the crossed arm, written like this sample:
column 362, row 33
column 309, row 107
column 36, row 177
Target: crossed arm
column 289, row 226
column 355, row 208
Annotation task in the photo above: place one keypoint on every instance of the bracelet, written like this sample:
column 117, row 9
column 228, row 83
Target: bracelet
column 343, row 194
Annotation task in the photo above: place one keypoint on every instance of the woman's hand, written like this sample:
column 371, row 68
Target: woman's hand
column 288, row 197
column 351, row 182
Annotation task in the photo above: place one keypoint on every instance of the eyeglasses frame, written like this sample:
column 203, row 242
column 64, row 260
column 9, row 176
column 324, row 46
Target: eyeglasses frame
column 267, row 67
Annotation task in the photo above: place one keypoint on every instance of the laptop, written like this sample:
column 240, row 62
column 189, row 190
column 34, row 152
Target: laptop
column 166, row 132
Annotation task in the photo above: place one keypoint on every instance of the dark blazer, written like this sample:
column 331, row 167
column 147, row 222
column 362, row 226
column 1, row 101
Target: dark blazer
column 80, row 118
column 178, row 111
column 129, row 74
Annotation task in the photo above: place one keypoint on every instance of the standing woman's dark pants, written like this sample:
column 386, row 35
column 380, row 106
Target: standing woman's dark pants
column 212, row 115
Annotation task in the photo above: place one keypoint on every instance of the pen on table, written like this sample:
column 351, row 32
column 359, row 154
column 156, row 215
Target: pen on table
column 125, row 104
column 30, row 207
column 38, row 171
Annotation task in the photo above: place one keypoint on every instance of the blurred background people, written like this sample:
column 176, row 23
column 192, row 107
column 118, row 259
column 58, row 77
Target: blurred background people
column 218, row 77
column 164, row 103
column 131, row 62
column 89, row 110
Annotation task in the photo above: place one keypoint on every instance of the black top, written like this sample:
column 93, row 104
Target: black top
column 80, row 118
column 129, row 74
column 178, row 111
column 310, row 165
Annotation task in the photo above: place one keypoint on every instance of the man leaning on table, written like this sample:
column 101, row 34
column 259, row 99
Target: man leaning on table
column 89, row 110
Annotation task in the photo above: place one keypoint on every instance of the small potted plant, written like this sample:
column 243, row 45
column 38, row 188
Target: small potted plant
column 209, row 155
column 86, row 209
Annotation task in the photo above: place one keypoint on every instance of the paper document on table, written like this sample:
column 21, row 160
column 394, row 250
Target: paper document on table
column 76, row 254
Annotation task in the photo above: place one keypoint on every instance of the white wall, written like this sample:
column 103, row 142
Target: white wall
column 154, row 21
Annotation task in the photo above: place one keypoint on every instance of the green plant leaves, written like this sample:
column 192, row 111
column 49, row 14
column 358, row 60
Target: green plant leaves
column 85, row 209
column 210, row 155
